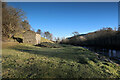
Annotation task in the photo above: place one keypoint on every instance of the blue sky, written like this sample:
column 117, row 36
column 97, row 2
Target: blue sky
column 61, row 19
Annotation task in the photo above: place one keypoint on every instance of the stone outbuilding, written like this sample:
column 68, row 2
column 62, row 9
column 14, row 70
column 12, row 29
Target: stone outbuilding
column 31, row 37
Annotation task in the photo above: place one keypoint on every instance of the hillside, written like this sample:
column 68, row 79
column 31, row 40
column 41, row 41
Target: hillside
column 27, row 61
column 107, row 38
column 45, row 40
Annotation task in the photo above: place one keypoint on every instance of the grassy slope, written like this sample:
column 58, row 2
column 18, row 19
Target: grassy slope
column 45, row 40
column 27, row 61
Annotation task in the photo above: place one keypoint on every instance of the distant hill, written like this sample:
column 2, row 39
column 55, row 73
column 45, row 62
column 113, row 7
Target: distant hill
column 76, row 36
column 103, row 38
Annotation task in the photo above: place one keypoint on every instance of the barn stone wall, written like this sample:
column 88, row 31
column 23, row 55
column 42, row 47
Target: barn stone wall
column 31, row 37
column 38, row 38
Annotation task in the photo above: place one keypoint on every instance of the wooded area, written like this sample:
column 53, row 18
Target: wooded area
column 13, row 21
column 106, row 37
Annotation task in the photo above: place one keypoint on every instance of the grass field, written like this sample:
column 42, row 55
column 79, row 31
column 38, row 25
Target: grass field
column 28, row 61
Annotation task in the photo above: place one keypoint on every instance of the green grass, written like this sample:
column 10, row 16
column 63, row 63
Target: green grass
column 27, row 61
column 45, row 40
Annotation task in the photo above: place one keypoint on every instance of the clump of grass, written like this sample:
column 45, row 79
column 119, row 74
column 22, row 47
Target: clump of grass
column 94, row 59
column 82, row 60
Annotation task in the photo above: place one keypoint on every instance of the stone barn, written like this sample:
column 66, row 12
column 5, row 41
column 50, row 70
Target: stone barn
column 31, row 37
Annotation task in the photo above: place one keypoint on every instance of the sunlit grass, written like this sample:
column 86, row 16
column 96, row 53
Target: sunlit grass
column 45, row 40
column 27, row 61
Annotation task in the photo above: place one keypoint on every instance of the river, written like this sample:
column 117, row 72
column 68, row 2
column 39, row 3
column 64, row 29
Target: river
column 105, row 51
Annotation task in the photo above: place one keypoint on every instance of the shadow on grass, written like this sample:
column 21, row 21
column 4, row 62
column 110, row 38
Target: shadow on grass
column 43, row 69
column 68, row 53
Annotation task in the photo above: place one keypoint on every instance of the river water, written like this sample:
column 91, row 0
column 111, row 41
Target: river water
column 108, row 52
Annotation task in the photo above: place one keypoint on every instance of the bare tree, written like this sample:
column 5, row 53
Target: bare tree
column 25, row 25
column 119, row 28
column 75, row 33
column 39, row 31
column 48, row 35
column 11, row 20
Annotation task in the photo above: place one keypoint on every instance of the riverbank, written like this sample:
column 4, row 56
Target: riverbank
column 28, row 61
